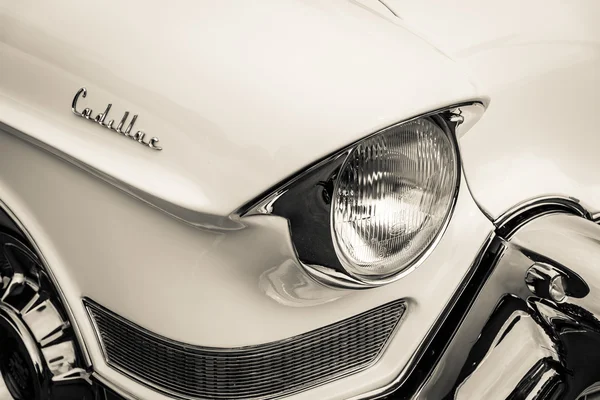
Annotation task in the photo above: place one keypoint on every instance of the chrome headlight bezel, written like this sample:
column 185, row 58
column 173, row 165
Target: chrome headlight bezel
column 392, row 198
column 305, row 201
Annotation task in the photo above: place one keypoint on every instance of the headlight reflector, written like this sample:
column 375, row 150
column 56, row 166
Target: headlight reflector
column 393, row 197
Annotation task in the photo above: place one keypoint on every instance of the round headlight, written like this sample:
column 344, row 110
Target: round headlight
column 393, row 196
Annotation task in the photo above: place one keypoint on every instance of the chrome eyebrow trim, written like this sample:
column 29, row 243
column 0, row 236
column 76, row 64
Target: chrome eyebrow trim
column 302, row 201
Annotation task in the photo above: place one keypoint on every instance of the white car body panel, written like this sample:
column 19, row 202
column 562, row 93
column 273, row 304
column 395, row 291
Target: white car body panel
column 232, row 123
column 242, row 96
column 205, row 287
column 539, row 62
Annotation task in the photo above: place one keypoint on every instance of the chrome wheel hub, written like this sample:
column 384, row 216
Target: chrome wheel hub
column 18, row 367
column 39, row 357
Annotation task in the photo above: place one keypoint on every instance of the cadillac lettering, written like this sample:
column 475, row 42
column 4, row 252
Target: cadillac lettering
column 101, row 117
column 359, row 200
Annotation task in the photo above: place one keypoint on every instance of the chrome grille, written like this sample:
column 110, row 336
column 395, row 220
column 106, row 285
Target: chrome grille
column 255, row 372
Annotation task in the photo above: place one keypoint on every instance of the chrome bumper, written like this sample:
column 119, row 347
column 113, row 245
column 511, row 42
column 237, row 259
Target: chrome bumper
column 532, row 331
column 524, row 324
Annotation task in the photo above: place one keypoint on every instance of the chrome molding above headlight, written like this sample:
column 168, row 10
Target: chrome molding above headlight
column 389, row 195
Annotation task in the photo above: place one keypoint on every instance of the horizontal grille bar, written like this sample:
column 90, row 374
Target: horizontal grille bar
column 254, row 372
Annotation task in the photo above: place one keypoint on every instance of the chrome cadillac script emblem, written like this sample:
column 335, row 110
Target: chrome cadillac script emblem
column 101, row 117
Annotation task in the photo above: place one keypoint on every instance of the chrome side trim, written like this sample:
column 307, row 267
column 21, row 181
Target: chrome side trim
column 55, row 283
column 305, row 201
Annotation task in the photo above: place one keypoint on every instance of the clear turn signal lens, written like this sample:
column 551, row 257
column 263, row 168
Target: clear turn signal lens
column 393, row 196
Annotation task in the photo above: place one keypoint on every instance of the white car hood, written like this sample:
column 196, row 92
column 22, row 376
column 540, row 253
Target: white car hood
column 539, row 62
column 241, row 95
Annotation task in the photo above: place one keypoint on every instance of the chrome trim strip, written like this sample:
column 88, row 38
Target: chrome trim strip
column 258, row 206
column 80, row 341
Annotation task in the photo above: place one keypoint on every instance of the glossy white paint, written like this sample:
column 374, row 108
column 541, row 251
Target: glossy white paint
column 240, row 94
column 539, row 61
column 205, row 287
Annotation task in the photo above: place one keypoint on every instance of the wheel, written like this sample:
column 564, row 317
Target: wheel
column 39, row 356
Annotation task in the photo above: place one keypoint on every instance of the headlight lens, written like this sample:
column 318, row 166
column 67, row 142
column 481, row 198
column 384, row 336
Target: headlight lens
column 392, row 198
